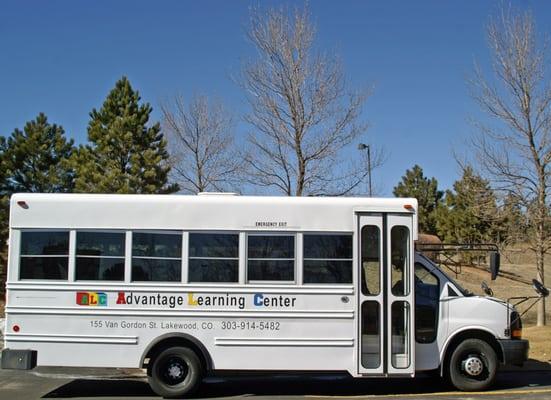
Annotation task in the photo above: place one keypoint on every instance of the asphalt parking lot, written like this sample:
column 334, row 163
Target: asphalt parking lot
column 60, row 383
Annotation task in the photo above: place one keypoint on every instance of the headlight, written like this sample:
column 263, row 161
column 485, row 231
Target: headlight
column 516, row 325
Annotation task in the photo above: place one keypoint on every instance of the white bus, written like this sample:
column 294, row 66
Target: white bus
column 191, row 285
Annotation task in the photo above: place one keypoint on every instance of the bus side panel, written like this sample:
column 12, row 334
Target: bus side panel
column 316, row 334
column 295, row 344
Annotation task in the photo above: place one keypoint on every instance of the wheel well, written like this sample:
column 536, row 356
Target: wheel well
column 472, row 334
column 176, row 339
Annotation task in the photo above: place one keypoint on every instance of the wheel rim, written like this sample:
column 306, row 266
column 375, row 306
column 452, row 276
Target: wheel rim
column 474, row 366
column 174, row 371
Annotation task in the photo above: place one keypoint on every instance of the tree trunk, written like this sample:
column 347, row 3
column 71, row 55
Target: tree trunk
column 540, row 257
column 541, row 321
column 540, row 243
column 301, row 167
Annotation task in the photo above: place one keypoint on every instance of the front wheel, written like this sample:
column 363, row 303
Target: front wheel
column 175, row 372
column 473, row 365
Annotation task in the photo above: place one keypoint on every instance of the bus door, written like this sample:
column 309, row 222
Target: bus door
column 385, row 342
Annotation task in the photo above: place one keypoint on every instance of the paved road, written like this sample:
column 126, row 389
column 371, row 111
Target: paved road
column 114, row 384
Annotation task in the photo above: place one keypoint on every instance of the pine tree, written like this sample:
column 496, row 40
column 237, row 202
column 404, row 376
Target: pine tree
column 33, row 160
column 36, row 159
column 425, row 190
column 125, row 155
column 470, row 214
column 514, row 222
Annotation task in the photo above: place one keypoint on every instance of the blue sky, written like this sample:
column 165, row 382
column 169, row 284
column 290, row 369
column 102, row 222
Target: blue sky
column 62, row 58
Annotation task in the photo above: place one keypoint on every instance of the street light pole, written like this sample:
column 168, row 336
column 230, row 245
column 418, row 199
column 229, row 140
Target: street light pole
column 363, row 146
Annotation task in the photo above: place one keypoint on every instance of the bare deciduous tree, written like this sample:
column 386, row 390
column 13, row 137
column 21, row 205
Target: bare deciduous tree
column 200, row 137
column 515, row 150
column 302, row 115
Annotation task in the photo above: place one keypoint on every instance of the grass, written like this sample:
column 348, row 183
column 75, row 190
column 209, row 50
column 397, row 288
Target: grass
column 540, row 342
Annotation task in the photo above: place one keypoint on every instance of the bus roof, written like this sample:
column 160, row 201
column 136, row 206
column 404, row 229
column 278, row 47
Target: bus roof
column 188, row 212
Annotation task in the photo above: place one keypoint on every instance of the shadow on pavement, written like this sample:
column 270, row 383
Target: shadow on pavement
column 285, row 385
column 530, row 365
column 101, row 388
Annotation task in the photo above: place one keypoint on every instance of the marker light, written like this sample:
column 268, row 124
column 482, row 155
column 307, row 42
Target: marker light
column 409, row 207
column 22, row 204
column 15, row 328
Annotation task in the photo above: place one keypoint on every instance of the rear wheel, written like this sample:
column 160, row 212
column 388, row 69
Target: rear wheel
column 472, row 365
column 175, row 372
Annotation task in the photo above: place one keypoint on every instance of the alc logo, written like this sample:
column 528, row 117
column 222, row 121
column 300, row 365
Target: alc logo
column 91, row 299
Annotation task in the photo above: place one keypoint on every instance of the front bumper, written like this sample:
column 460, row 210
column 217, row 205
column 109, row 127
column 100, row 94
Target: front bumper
column 515, row 352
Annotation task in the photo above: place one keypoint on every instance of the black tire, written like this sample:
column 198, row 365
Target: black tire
column 175, row 372
column 472, row 365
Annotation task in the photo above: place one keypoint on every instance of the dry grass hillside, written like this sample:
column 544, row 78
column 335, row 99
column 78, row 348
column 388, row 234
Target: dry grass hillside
column 540, row 342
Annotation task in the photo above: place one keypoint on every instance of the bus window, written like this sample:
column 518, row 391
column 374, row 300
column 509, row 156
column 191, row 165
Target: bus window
column 100, row 256
column 427, row 297
column 400, row 334
column 371, row 335
column 371, row 260
column 327, row 258
column 271, row 258
column 44, row 255
column 399, row 242
column 213, row 257
column 156, row 257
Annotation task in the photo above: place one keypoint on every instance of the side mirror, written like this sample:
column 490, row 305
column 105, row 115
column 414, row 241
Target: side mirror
column 539, row 288
column 486, row 289
column 494, row 264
